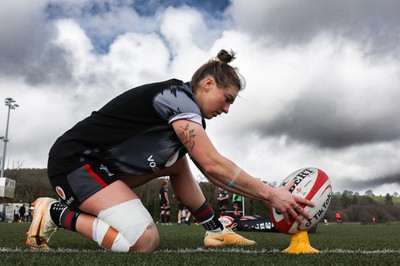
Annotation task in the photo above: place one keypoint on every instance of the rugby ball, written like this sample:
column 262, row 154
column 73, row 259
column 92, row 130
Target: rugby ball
column 312, row 184
column 227, row 221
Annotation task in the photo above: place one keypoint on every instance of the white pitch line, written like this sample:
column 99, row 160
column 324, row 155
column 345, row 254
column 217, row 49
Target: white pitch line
column 209, row 250
column 250, row 251
column 359, row 251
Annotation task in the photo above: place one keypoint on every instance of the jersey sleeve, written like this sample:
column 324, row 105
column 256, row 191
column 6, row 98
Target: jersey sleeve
column 174, row 103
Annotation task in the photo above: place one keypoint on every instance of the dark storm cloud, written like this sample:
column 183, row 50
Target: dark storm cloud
column 26, row 50
column 375, row 24
column 319, row 121
column 319, row 118
column 355, row 183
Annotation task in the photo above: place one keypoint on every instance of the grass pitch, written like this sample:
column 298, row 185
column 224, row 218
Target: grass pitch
column 346, row 244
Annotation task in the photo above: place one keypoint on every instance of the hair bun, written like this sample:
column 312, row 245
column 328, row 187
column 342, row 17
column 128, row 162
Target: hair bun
column 225, row 57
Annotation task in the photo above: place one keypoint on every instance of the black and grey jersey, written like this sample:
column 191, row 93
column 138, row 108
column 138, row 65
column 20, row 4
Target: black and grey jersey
column 162, row 192
column 132, row 133
column 221, row 194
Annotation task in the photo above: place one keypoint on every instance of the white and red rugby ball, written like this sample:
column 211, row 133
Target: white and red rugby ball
column 312, row 184
column 227, row 221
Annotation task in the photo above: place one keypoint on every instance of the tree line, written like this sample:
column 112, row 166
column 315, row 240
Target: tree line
column 32, row 183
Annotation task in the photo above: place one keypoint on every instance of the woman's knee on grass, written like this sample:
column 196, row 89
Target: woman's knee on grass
column 148, row 241
column 134, row 223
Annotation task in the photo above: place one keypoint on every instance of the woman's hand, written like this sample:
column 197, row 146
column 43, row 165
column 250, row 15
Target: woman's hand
column 288, row 204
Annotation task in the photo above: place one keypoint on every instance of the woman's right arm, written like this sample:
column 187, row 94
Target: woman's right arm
column 226, row 174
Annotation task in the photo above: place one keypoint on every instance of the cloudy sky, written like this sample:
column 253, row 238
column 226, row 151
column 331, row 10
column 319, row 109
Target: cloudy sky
column 323, row 77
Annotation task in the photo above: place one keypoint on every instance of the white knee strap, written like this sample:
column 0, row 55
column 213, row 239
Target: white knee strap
column 129, row 218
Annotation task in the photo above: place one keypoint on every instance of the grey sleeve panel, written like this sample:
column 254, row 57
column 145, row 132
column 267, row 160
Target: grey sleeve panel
column 174, row 104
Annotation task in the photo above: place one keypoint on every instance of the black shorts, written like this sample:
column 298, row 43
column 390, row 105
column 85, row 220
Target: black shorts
column 164, row 204
column 75, row 186
column 222, row 207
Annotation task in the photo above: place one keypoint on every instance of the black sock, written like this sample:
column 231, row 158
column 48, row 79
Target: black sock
column 64, row 217
column 205, row 216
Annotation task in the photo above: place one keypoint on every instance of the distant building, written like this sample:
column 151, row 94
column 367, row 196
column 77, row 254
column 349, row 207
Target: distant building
column 7, row 188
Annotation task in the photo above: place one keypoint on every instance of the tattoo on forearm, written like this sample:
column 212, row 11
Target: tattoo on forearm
column 186, row 135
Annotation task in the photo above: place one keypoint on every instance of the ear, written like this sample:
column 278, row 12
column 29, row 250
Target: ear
column 208, row 83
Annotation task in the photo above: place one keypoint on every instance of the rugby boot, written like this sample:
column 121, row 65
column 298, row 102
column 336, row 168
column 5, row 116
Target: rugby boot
column 226, row 237
column 42, row 226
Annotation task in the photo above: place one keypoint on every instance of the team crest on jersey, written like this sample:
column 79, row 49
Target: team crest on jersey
column 105, row 169
column 60, row 192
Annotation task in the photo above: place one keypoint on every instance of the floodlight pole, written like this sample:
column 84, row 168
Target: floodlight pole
column 243, row 207
column 10, row 102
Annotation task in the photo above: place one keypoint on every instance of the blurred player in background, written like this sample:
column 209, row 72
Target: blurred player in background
column 165, row 207
column 223, row 196
column 338, row 218
column 183, row 214
column 237, row 204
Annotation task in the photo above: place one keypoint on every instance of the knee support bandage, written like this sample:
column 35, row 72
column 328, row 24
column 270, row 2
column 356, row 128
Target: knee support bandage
column 129, row 219
column 109, row 238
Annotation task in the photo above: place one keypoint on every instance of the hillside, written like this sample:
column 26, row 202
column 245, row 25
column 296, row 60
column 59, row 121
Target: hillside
column 33, row 183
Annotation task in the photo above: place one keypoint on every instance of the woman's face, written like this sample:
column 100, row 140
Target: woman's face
column 214, row 100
